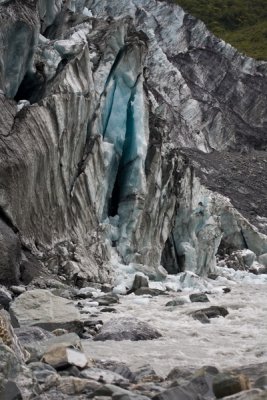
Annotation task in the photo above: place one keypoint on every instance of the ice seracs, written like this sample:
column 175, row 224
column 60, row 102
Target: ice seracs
column 117, row 91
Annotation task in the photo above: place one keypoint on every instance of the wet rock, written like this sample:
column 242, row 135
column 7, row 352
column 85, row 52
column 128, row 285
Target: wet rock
column 127, row 329
column 108, row 299
column 5, row 298
column 39, row 348
column 150, row 291
column 227, row 384
column 41, row 308
column 86, row 293
column 205, row 314
column 63, row 357
column 176, row 302
column 199, row 297
column 42, row 371
column 108, row 310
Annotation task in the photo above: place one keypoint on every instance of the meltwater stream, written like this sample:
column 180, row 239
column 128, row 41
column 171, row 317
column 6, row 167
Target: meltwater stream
column 239, row 339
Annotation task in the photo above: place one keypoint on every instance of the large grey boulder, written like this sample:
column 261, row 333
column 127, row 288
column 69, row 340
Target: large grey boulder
column 127, row 329
column 41, row 308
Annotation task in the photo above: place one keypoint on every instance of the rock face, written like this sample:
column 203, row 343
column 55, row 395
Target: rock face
column 95, row 109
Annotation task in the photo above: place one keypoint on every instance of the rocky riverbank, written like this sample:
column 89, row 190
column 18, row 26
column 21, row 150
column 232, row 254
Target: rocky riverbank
column 204, row 341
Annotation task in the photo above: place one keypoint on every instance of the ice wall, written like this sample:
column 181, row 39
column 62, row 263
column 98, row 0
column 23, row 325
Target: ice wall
column 95, row 112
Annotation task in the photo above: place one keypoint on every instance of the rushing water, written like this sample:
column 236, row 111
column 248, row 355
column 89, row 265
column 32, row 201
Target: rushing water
column 237, row 340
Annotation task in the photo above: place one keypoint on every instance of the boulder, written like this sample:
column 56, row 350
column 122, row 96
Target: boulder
column 71, row 386
column 205, row 314
column 39, row 348
column 226, row 384
column 199, row 297
column 127, row 329
column 108, row 299
column 140, row 281
column 63, row 357
column 41, row 308
column 176, row 302
column 42, row 371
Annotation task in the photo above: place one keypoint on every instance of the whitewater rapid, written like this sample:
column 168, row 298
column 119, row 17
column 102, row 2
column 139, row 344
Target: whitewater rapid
column 238, row 340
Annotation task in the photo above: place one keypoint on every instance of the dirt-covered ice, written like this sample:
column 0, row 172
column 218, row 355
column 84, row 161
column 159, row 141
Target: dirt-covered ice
column 237, row 340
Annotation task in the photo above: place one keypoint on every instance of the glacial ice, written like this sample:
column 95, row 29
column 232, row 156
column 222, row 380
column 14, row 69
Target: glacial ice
column 116, row 169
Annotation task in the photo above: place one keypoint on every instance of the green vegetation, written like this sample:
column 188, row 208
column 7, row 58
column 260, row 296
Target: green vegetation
column 243, row 23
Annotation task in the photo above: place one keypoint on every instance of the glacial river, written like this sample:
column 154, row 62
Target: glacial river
column 239, row 339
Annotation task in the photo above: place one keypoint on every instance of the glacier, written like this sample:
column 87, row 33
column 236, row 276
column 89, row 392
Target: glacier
column 108, row 116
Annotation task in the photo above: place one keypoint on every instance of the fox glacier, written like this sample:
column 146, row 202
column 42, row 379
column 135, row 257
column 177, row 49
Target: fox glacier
column 132, row 188
column 110, row 112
